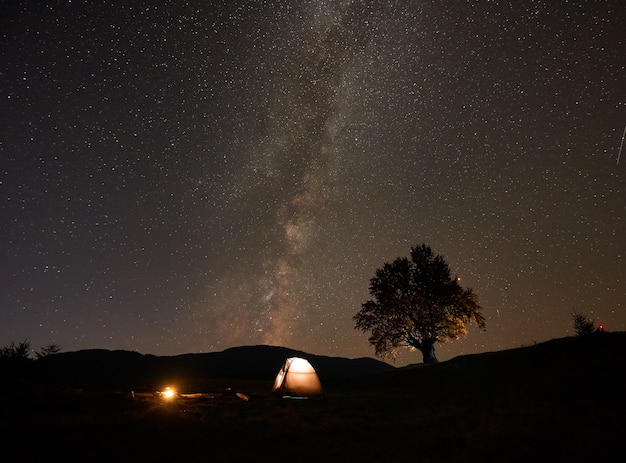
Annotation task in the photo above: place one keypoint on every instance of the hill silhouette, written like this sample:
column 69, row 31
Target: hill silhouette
column 561, row 400
column 102, row 369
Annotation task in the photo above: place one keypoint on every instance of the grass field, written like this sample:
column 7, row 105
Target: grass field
column 563, row 400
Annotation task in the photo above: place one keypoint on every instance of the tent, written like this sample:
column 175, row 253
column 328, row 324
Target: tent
column 297, row 379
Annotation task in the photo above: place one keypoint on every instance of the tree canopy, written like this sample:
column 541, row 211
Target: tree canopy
column 415, row 303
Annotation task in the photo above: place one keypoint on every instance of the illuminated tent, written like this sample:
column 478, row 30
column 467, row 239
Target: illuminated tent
column 297, row 378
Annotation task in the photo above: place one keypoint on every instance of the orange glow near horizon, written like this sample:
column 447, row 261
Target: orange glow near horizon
column 168, row 393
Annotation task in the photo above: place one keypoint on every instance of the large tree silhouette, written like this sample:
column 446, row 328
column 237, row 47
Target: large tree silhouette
column 415, row 304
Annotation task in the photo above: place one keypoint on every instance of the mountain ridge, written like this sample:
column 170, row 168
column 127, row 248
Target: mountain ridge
column 118, row 368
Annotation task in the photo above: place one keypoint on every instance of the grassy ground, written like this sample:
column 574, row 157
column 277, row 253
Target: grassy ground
column 559, row 401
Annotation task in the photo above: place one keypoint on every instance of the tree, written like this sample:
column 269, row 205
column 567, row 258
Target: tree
column 16, row 351
column 415, row 304
column 582, row 325
column 48, row 350
column 15, row 358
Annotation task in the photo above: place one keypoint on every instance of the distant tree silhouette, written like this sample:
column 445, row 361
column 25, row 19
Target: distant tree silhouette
column 48, row 350
column 16, row 351
column 15, row 358
column 415, row 303
column 583, row 326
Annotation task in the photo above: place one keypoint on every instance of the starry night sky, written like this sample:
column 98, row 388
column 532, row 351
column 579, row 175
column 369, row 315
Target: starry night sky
column 190, row 176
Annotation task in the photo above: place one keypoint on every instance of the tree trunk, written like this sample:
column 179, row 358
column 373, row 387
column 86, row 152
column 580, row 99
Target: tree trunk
column 428, row 351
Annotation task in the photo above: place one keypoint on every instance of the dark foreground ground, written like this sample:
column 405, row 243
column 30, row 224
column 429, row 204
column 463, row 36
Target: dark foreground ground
column 563, row 400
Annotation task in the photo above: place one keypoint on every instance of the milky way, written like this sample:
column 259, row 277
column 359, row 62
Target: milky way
column 199, row 175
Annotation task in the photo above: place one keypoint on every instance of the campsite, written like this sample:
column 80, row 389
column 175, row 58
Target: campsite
column 561, row 400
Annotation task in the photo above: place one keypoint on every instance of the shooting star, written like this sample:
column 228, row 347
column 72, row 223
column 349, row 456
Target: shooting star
column 619, row 154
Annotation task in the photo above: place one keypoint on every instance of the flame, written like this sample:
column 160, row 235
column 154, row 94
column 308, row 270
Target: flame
column 168, row 393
